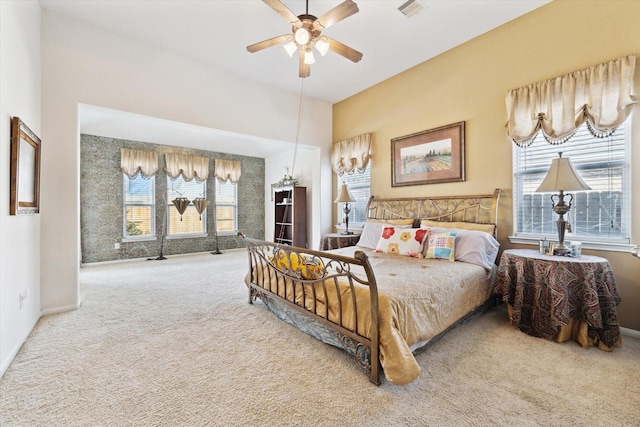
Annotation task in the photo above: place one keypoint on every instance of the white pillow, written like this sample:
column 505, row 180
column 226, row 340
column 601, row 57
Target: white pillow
column 371, row 233
column 473, row 246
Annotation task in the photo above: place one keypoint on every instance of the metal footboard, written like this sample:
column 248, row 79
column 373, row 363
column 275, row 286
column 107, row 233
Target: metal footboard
column 336, row 291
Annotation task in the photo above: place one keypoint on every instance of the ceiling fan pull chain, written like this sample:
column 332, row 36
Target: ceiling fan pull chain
column 295, row 146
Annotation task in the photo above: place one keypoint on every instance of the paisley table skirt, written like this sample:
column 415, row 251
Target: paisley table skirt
column 560, row 298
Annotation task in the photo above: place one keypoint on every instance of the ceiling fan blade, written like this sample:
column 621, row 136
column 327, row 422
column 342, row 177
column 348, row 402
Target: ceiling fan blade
column 344, row 50
column 337, row 14
column 270, row 42
column 305, row 69
column 284, row 11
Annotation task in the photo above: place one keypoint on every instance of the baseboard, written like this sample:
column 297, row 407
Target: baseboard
column 7, row 362
column 57, row 310
column 120, row 261
column 630, row 332
column 12, row 355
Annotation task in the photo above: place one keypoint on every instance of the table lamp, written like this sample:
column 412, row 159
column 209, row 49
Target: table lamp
column 344, row 196
column 562, row 177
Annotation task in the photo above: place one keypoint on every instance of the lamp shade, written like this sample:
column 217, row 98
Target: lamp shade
column 322, row 45
column 308, row 57
column 291, row 48
column 344, row 196
column 562, row 176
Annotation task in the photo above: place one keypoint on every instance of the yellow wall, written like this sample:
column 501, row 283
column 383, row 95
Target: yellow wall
column 468, row 84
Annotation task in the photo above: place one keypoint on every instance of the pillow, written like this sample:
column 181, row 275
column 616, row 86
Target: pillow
column 441, row 245
column 487, row 228
column 371, row 233
column 475, row 247
column 395, row 222
column 402, row 241
column 310, row 267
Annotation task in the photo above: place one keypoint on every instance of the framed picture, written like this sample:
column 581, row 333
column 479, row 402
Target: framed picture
column 428, row 157
column 25, row 169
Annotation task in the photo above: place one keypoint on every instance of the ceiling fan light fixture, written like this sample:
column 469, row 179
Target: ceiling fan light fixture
column 322, row 45
column 302, row 36
column 306, row 32
column 291, row 48
column 308, row 57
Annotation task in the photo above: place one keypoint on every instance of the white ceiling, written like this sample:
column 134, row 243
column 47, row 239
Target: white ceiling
column 218, row 31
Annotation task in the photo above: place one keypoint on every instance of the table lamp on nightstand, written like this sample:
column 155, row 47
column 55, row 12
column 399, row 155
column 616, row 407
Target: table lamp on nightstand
column 345, row 197
column 562, row 177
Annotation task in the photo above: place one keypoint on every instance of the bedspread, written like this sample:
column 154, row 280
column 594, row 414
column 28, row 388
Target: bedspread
column 418, row 299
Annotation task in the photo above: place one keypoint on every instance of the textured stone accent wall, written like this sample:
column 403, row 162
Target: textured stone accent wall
column 101, row 202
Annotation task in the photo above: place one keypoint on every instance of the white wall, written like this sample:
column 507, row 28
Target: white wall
column 312, row 170
column 82, row 64
column 19, row 235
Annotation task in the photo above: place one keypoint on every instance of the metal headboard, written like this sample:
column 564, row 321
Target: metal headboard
column 480, row 209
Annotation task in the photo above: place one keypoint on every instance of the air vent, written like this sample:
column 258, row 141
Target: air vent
column 411, row 8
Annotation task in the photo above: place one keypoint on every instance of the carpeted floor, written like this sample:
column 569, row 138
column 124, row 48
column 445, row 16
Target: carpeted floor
column 174, row 343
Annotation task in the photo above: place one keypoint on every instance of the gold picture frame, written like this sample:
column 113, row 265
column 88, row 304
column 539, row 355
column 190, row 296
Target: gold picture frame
column 429, row 157
column 25, row 169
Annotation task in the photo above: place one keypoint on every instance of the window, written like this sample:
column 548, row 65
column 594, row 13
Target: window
column 226, row 207
column 190, row 222
column 601, row 215
column 359, row 185
column 139, row 207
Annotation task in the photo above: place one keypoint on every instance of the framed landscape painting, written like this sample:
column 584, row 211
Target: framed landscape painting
column 428, row 157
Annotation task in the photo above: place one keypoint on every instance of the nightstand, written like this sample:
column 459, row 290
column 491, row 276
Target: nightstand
column 337, row 241
column 560, row 298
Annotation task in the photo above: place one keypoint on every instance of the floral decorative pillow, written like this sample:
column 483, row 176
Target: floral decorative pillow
column 402, row 241
column 441, row 245
column 371, row 233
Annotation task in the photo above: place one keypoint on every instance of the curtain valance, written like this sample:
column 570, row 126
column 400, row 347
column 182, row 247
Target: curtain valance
column 350, row 154
column 133, row 162
column 190, row 167
column 601, row 96
column 227, row 170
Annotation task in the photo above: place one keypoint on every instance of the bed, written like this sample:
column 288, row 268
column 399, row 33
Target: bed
column 422, row 266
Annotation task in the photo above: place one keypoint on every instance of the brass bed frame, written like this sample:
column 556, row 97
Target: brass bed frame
column 290, row 291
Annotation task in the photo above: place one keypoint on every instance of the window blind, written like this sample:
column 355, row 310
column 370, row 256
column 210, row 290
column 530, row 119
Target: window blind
column 139, row 206
column 359, row 185
column 600, row 214
column 226, row 206
column 191, row 221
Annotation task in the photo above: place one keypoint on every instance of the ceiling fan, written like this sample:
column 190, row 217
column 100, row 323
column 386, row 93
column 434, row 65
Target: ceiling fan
column 307, row 31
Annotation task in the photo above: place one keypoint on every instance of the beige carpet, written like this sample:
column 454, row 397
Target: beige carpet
column 174, row 343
